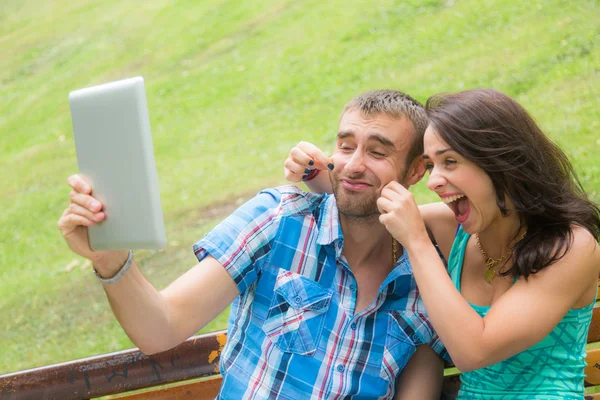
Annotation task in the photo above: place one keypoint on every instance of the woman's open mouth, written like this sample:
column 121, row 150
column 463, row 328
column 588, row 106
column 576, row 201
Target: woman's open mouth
column 460, row 205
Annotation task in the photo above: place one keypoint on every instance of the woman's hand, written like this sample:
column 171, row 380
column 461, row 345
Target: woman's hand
column 400, row 215
column 303, row 159
column 307, row 161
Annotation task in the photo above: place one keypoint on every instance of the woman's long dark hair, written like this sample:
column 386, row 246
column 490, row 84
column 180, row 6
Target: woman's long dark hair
column 498, row 135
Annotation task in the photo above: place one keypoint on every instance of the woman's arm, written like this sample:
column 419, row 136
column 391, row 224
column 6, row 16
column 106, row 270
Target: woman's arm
column 441, row 225
column 518, row 320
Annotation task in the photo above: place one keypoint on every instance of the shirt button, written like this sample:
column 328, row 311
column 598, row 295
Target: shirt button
column 353, row 326
column 352, row 287
column 415, row 338
column 340, row 368
column 297, row 299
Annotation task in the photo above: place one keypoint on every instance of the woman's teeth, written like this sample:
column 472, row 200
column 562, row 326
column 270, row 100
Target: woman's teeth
column 450, row 199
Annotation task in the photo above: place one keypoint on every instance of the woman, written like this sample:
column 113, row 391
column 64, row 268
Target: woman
column 520, row 237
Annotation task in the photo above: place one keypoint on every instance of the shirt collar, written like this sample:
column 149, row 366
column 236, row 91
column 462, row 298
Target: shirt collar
column 330, row 232
column 330, row 229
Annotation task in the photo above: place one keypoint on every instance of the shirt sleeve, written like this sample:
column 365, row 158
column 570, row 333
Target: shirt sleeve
column 436, row 344
column 425, row 334
column 243, row 238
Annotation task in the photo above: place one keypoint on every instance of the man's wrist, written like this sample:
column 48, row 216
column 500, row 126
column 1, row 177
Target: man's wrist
column 120, row 273
column 109, row 263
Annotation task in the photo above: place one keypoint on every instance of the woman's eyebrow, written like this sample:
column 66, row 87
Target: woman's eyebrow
column 438, row 153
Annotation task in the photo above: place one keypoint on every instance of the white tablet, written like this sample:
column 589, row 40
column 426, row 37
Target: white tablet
column 115, row 155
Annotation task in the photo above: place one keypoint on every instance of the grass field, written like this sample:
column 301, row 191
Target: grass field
column 231, row 87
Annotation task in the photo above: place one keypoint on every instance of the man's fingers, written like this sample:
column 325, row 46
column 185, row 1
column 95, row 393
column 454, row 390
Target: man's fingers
column 84, row 212
column 79, row 184
column 85, row 201
column 68, row 223
column 76, row 215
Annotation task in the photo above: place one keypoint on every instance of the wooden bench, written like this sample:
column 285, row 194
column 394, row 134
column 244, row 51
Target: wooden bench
column 190, row 370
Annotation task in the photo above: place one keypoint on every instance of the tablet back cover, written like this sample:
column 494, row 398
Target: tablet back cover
column 115, row 155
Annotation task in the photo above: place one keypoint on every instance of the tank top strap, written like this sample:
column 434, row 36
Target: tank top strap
column 457, row 256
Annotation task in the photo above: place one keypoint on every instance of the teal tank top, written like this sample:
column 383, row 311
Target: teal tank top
column 551, row 369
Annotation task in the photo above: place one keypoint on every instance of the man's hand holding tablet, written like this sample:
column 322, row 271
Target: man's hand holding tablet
column 115, row 202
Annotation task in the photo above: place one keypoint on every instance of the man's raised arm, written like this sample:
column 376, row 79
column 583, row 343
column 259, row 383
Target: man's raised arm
column 154, row 321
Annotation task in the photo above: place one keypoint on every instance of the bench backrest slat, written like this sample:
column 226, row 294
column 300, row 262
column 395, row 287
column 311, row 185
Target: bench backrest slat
column 116, row 372
column 204, row 390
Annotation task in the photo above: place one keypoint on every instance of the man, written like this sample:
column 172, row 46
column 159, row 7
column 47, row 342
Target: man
column 324, row 301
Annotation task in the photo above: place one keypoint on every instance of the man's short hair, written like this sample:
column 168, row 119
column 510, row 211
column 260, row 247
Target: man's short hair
column 396, row 105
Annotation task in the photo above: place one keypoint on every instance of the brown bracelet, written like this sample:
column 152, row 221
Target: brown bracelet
column 311, row 175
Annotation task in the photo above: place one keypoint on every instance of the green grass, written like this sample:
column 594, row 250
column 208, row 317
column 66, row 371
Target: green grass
column 231, row 87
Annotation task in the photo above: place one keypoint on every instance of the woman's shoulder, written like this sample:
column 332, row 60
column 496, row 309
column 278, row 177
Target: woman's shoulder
column 576, row 272
column 579, row 249
column 584, row 248
column 441, row 224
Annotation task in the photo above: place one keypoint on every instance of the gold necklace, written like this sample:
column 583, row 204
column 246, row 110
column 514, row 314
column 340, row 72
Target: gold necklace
column 394, row 252
column 490, row 263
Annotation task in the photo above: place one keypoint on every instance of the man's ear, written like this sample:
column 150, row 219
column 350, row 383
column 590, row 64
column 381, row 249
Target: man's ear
column 416, row 171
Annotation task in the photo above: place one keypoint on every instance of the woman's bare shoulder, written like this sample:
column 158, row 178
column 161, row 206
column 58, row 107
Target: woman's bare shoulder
column 584, row 249
column 441, row 224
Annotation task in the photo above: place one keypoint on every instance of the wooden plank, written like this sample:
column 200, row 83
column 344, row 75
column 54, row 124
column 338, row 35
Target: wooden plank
column 592, row 371
column 116, row 372
column 204, row 390
column 208, row 390
column 594, row 333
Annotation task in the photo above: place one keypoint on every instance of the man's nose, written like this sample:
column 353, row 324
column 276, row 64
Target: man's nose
column 356, row 163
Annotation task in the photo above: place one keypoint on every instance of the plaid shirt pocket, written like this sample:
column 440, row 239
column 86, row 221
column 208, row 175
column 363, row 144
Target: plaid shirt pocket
column 399, row 347
column 297, row 312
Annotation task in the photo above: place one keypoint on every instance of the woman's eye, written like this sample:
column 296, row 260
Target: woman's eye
column 450, row 161
column 428, row 167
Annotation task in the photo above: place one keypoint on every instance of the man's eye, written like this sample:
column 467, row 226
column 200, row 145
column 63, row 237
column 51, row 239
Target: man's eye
column 377, row 154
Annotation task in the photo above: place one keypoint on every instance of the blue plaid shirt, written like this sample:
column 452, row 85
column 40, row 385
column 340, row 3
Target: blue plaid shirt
column 293, row 333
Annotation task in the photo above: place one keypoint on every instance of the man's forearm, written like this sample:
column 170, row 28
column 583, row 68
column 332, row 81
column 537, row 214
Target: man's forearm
column 157, row 321
column 142, row 312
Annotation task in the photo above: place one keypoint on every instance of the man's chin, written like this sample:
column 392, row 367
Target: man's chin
column 358, row 210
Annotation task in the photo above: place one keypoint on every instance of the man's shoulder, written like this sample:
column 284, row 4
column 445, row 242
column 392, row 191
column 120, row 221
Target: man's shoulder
column 294, row 200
